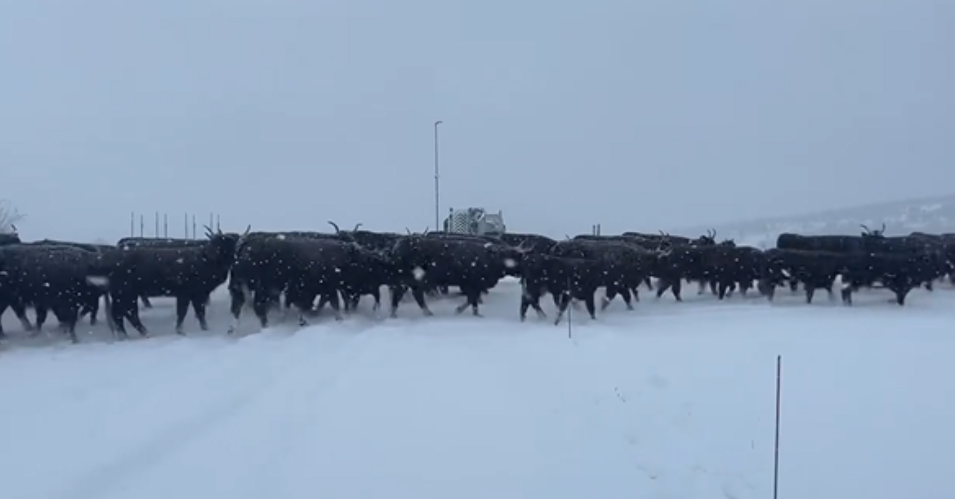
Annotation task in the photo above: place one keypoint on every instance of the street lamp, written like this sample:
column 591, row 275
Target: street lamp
column 437, row 184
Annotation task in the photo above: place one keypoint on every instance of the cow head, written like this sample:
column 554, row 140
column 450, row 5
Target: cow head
column 342, row 234
column 709, row 239
column 225, row 244
column 867, row 232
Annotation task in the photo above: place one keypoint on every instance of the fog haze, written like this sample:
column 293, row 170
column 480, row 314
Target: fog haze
column 283, row 114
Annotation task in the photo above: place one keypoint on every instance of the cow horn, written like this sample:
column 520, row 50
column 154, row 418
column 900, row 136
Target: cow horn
column 209, row 232
column 408, row 231
column 662, row 234
column 15, row 229
column 425, row 231
column 359, row 224
column 883, row 227
column 714, row 234
column 865, row 228
column 247, row 229
column 333, row 224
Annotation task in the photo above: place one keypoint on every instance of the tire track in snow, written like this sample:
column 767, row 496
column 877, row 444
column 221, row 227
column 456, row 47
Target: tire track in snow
column 269, row 370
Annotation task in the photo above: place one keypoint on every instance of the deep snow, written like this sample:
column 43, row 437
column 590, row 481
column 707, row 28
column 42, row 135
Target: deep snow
column 668, row 401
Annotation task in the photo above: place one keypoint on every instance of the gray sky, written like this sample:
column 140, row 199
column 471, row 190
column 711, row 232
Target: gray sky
column 634, row 114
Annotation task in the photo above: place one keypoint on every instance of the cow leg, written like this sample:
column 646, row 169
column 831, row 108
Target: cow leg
column 556, row 296
column 648, row 282
column 42, row 312
column 69, row 315
column 182, row 307
column 260, row 305
column 701, row 287
column 418, row 295
column 713, row 286
column 132, row 312
column 563, row 302
column 146, row 302
column 473, row 300
column 676, row 289
column 21, row 312
column 611, row 293
column 590, row 305
column 531, row 300
column 929, row 286
column 635, row 291
column 237, row 301
column 662, row 286
column 810, row 291
column 627, row 298
column 90, row 306
column 847, row 295
column 336, row 305
column 721, row 291
column 199, row 307
column 119, row 312
column 900, row 293
column 396, row 293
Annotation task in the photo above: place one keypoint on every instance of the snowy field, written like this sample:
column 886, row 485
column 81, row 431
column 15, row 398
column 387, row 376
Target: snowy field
column 672, row 400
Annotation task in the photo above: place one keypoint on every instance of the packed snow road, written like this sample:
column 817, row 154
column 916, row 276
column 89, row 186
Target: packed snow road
column 671, row 400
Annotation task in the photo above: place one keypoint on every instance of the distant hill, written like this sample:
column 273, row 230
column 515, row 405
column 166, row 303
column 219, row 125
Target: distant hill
column 933, row 214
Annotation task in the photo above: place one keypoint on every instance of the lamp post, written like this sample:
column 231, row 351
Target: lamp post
column 437, row 183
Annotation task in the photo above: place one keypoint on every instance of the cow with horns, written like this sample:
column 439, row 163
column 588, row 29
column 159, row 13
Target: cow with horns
column 189, row 274
column 302, row 268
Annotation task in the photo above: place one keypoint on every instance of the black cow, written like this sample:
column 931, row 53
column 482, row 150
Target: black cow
column 726, row 266
column 50, row 278
column 625, row 266
column 189, row 274
column 92, row 307
column 814, row 269
column 9, row 238
column 423, row 263
column 157, row 242
column 565, row 278
column 900, row 273
column 302, row 268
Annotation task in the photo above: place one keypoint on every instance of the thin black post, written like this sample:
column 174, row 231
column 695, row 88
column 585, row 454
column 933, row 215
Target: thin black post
column 570, row 313
column 437, row 182
column 779, row 376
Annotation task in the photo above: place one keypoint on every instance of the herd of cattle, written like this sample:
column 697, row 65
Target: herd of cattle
column 338, row 268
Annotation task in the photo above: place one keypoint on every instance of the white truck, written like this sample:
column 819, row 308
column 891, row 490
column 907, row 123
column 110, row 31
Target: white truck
column 475, row 221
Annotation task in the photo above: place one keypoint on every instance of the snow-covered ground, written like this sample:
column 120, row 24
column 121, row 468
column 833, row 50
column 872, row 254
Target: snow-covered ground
column 672, row 400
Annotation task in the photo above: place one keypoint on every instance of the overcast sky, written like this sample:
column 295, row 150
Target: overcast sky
column 637, row 114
